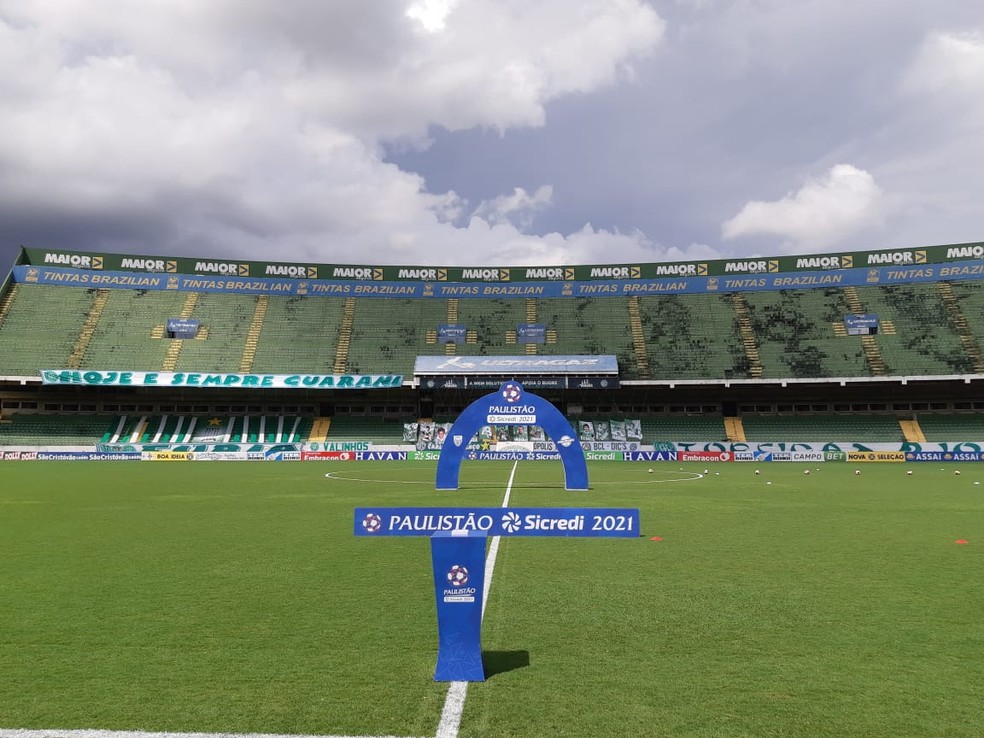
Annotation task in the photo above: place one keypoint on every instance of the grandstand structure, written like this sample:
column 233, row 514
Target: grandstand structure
column 867, row 346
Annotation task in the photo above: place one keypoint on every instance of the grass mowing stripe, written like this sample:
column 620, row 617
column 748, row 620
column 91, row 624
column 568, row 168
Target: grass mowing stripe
column 454, row 703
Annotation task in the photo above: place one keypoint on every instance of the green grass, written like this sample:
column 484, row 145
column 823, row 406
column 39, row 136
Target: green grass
column 234, row 598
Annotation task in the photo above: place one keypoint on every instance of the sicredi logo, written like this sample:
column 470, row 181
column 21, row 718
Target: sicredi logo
column 229, row 268
column 511, row 522
column 292, row 270
column 77, row 261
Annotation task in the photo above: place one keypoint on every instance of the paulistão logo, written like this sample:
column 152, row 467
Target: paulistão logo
column 510, row 522
column 458, row 576
column 372, row 523
column 512, row 392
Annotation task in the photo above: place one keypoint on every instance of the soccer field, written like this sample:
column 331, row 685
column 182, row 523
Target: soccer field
column 233, row 598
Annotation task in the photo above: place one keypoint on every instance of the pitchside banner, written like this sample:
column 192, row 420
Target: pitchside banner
column 207, row 379
column 172, row 267
column 744, row 280
column 587, row 522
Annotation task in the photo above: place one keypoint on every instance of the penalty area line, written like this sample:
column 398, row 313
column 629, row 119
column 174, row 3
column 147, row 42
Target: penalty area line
column 454, row 703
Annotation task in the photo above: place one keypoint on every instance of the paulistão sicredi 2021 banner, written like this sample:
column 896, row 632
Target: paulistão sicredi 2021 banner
column 220, row 379
column 581, row 522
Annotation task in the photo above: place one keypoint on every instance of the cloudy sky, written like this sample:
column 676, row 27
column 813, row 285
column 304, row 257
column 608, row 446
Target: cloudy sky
column 496, row 132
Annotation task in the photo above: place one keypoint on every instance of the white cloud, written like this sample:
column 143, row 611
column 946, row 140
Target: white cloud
column 255, row 127
column 949, row 62
column 819, row 214
column 518, row 208
column 430, row 13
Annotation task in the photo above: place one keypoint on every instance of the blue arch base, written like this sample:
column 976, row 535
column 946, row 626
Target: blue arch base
column 512, row 405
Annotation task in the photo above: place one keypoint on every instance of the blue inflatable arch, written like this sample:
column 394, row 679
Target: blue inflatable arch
column 512, row 405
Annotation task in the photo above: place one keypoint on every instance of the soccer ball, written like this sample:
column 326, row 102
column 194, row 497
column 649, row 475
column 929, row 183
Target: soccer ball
column 757, row 472
column 458, row 576
column 511, row 392
column 372, row 523
column 806, row 472
column 957, row 472
column 909, row 473
column 651, row 471
column 857, row 472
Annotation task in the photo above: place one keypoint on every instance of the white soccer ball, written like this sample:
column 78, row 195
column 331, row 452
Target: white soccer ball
column 957, row 472
column 857, row 472
column 757, row 472
column 651, row 471
column 768, row 482
column 327, row 475
column 806, row 472
column 909, row 473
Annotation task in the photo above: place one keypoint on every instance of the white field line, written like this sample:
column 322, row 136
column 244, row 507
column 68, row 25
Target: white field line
column 454, row 703
column 54, row 733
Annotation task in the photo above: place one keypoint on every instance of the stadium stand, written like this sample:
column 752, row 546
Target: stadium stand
column 42, row 326
column 683, row 428
column 692, row 338
column 952, row 426
column 796, row 335
column 490, row 323
column 931, row 330
column 130, row 331
column 375, row 430
column 922, row 338
column 823, row 427
column 225, row 320
column 926, row 330
column 300, row 332
column 388, row 334
column 39, row 429
column 588, row 326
